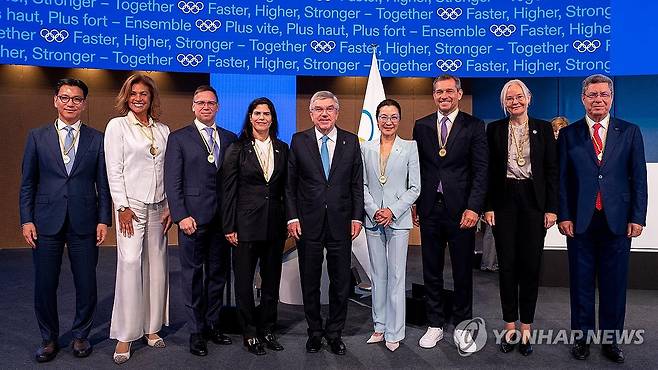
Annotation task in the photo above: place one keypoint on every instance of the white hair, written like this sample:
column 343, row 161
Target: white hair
column 321, row 95
column 508, row 84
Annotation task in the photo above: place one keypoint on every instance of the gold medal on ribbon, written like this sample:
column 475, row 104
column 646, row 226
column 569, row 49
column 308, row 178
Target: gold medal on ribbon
column 153, row 150
column 382, row 179
column 211, row 158
column 442, row 152
column 520, row 161
column 66, row 159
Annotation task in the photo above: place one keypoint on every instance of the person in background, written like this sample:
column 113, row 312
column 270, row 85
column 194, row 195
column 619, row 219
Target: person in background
column 65, row 200
column 135, row 144
column 521, row 206
column 391, row 178
column 193, row 182
column 255, row 169
column 603, row 206
column 559, row 123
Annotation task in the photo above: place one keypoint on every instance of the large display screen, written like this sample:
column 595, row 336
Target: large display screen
column 412, row 38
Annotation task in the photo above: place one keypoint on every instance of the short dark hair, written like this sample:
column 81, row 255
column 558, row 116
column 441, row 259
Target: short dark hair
column 247, row 133
column 386, row 103
column 72, row 82
column 204, row 88
column 443, row 77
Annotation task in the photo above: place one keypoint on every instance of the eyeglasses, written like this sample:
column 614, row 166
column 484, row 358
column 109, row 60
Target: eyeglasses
column 594, row 95
column 447, row 91
column 319, row 110
column 77, row 100
column 511, row 99
column 209, row 104
column 394, row 119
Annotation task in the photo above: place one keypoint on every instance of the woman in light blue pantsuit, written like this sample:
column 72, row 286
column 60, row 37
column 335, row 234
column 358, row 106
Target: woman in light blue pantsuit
column 391, row 185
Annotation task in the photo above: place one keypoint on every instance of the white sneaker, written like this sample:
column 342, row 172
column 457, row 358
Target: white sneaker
column 431, row 337
column 464, row 340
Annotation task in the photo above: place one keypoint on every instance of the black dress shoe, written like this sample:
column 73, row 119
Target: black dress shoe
column 198, row 345
column 505, row 346
column 580, row 350
column 525, row 348
column 337, row 346
column 255, row 346
column 271, row 342
column 313, row 344
column 47, row 351
column 81, row 347
column 217, row 337
column 613, row 353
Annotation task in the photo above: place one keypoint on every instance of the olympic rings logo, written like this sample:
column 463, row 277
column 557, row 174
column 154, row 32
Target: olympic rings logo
column 449, row 13
column 189, row 60
column 586, row 45
column 208, row 25
column 54, row 35
column 322, row 46
column 190, row 6
column 449, row 64
column 502, row 30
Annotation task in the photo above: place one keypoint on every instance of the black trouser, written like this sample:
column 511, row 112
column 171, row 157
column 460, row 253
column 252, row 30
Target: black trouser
column 436, row 230
column 257, row 320
column 204, row 259
column 311, row 256
column 519, row 233
column 47, row 257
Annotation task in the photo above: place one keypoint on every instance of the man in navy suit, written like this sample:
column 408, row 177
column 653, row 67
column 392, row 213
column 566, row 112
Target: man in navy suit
column 603, row 204
column 324, row 204
column 453, row 154
column 193, row 166
column 65, row 200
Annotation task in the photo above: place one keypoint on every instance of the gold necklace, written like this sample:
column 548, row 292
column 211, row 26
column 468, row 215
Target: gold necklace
column 264, row 162
column 153, row 150
column 65, row 150
column 519, row 146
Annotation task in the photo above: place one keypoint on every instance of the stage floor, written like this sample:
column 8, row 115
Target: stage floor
column 19, row 335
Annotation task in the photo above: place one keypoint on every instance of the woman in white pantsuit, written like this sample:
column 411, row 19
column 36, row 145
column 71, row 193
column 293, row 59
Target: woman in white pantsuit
column 134, row 152
column 391, row 185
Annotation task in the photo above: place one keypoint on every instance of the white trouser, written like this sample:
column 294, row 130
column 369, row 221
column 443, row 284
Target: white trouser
column 141, row 296
column 388, row 259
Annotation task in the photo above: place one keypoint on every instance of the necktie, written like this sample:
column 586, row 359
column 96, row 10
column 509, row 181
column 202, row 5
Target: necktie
column 324, row 154
column 444, row 138
column 598, row 150
column 68, row 143
column 213, row 145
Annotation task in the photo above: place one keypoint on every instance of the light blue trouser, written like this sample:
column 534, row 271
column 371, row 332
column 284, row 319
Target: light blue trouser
column 388, row 257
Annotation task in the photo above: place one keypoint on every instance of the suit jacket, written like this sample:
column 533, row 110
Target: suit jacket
column 543, row 162
column 621, row 177
column 192, row 184
column 310, row 197
column 402, row 185
column 48, row 194
column 462, row 172
column 252, row 206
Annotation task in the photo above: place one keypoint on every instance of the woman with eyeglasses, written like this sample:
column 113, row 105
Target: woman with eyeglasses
column 521, row 206
column 135, row 144
column 391, row 176
column 255, row 169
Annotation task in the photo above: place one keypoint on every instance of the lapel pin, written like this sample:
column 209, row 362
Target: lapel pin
column 534, row 132
column 344, row 142
column 276, row 150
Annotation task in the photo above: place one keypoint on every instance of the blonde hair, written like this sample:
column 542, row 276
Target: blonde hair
column 559, row 122
column 121, row 104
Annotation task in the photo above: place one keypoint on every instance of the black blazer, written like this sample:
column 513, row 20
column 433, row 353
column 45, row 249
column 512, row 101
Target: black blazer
column 253, row 207
column 462, row 172
column 309, row 196
column 543, row 162
column 193, row 185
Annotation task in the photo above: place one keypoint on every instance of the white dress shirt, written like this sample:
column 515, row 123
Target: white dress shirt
column 451, row 119
column 331, row 143
column 62, row 135
column 603, row 130
column 132, row 172
column 204, row 134
column 265, row 151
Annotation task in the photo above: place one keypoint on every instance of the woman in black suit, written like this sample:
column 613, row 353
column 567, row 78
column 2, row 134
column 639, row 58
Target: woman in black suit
column 255, row 169
column 521, row 206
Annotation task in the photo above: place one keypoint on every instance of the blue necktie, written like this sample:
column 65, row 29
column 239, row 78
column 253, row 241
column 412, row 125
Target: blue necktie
column 324, row 154
column 68, row 143
column 213, row 144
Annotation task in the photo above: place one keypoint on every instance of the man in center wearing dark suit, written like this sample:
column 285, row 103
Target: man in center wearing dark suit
column 452, row 146
column 324, row 204
column 193, row 167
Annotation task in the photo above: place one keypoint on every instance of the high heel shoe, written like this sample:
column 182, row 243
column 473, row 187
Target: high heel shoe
column 120, row 358
column 155, row 343
column 505, row 345
column 392, row 346
column 375, row 338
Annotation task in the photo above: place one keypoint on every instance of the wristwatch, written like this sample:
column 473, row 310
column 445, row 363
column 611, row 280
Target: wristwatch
column 121, row 209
